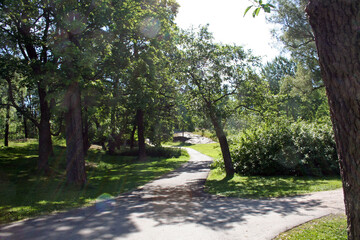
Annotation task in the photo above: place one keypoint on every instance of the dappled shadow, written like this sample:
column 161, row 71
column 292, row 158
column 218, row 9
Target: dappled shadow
column 25, row 194
column 186, row 204
column 160, row 206
column 165, row 205
column 267, row 187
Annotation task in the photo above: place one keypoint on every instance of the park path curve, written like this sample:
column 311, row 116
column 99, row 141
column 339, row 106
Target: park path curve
column 175, row 207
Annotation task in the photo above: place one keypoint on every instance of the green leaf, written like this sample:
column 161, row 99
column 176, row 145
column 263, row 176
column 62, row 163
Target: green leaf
column 247, row 9
column 256, row 12
column 266, row 8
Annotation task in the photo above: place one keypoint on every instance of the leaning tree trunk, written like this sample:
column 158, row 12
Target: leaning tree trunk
column 75, row 162
column 45, row 142
column 224, row 146
column 141, row 135
column 336, row 25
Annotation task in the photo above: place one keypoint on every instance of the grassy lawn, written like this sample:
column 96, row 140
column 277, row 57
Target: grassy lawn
column 24, row 194
column 332, row 227
column 212, row 149
column 261, row 187
column 267, row 187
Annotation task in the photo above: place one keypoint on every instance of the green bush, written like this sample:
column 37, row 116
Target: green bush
column 283, row 148
column 157, row 152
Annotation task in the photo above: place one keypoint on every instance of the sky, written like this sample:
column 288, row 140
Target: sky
column 227, row 22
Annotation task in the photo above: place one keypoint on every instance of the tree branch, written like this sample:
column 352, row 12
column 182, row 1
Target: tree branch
column 23, row 111
column 225, row 95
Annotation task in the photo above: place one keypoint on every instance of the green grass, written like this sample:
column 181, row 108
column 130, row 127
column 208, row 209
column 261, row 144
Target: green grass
column 176, row 144
column 25, row 194
column 331, row 227
column 267, row 187
column 212, row 149
column 261, row 187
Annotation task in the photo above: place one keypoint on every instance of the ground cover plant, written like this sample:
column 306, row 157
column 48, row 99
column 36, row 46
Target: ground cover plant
column 25, row 194
column 331, row 227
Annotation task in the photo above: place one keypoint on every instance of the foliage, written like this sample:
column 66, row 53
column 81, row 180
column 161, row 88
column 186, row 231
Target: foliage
column 217, row 80
column 157, row 152
column 331, row 227
column 24, row 194
column 282, row 148
column 301, row 98
column 267, row 186
column 296, row 34
column 259, row 5
column 273, row 72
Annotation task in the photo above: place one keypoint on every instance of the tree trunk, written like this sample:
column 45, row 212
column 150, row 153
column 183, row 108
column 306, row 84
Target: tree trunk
column 45, row 142
column 75, row 162
column 132, row 136
column 26, row 135
column 220, row 134
column 7, row 126
column 86, row 141
column 141, row 135
column 336, row 27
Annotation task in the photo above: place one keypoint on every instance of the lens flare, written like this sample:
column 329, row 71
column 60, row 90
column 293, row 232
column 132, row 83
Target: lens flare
column 150, row 27
column 105, row 202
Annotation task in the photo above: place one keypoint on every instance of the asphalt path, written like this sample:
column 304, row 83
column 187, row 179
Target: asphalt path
column 176, row 207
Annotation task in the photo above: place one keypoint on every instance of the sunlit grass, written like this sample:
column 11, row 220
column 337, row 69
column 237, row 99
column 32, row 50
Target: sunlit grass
column 332, row 227
column 258, row 186
column 25, row 194
column 212, row 149
column 267, row 187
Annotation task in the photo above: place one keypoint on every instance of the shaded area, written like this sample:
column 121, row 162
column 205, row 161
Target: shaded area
column 25, row 194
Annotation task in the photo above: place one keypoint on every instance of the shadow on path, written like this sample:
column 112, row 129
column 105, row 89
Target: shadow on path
column 175, row 200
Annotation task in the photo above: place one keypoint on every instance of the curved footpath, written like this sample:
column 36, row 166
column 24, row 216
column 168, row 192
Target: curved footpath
column 175, row 207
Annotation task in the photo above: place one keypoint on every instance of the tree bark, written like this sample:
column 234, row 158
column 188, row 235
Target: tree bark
column 7, row 125
column 141, row 135
column 45, row 142
column 86, row 140
column 75, row 162
column 336, row 26
column 26, row 135
column 132, row 136
column 224, row 146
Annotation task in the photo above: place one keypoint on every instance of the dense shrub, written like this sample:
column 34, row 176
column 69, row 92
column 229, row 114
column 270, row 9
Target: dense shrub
column 157, row 152
column 286, row 149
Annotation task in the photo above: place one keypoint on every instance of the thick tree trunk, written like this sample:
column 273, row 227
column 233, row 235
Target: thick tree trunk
column 336, row 26
column 75, row 162
column 220, row 134
column 45, row 142
column 141, row 135
column 86, row 140
column 7, row 126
